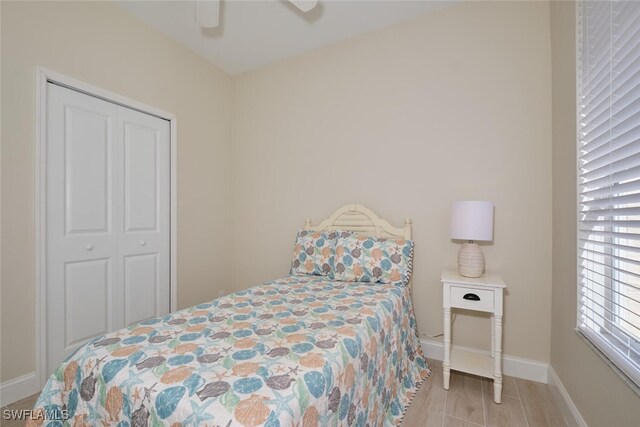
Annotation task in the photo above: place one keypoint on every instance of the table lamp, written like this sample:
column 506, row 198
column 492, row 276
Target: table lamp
column 471, row 221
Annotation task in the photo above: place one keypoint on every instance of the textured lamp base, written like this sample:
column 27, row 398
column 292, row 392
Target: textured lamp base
column 470, row 260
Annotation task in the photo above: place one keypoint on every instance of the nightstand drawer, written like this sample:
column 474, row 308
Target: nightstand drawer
column 472, row 298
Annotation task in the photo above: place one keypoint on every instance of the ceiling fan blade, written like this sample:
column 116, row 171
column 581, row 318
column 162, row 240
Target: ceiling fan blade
column 208, row 13
column 304, row 5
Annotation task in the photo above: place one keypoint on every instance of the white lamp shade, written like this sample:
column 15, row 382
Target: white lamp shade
column 472, row 220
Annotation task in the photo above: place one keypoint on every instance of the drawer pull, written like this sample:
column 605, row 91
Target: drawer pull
column 471, row 297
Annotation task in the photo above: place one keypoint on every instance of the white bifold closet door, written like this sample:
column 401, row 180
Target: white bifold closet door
column 108, row 218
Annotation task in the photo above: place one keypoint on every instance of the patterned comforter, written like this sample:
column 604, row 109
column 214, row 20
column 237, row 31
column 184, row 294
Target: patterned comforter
column 298, row 351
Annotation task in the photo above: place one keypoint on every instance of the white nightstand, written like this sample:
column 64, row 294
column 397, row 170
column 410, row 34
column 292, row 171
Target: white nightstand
column 480, row 294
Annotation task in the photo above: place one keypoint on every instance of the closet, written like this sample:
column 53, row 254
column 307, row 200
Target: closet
column 107, row 218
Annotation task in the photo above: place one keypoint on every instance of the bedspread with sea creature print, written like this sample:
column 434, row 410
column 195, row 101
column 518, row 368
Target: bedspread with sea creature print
column 298, row 351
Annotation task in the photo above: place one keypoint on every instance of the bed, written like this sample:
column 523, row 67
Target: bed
column 304, row 350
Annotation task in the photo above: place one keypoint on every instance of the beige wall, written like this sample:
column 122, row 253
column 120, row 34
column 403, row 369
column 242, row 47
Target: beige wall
column 452, row 105
column 599, row 394
column 98, row 43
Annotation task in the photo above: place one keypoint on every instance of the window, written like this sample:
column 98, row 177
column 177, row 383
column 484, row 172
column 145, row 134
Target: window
column 609, row 180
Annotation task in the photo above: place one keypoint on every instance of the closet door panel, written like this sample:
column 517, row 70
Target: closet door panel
column 141, row 287
column 87, row 286
column 87, row 169
column 144, row 216
column 80, row 232
column 142, row 146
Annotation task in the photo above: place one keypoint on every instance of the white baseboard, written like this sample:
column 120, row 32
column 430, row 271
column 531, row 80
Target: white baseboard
column 18, row 388
column 569, row 410
column 511, row 365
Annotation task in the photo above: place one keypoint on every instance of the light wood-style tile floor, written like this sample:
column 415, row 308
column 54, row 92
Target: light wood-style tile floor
column 468, row 403
column 26, row 403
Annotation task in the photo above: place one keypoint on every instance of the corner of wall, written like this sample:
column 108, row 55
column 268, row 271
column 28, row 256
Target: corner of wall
column 570, row 412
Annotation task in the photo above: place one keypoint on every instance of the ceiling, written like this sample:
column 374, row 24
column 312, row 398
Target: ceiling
column 255, row 33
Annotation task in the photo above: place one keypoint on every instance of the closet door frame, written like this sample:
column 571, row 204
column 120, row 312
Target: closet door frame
column 43, row 78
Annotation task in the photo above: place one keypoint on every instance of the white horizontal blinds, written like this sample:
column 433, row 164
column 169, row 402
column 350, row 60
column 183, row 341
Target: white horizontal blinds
column 609, row 179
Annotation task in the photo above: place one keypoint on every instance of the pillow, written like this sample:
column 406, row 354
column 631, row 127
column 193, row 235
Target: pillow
column 313, row 253
column 367, row 259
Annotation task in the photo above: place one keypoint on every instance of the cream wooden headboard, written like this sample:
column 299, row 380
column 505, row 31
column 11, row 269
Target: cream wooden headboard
column 359, row 219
